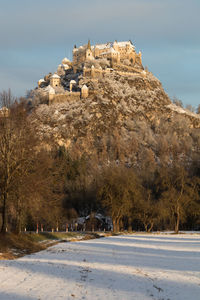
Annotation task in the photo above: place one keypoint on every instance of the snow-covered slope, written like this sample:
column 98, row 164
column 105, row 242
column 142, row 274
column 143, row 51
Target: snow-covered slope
column 121, row 267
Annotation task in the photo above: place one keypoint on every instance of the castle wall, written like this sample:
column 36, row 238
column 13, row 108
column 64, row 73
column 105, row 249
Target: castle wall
column 60, row 98
column 93, row 73
column 97, row 73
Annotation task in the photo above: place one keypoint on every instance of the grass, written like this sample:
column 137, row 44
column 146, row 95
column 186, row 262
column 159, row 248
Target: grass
column 59, row 236
column 13, row 246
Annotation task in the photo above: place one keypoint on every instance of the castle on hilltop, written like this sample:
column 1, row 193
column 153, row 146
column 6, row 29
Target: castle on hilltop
column 90, row 62
column 116, row 53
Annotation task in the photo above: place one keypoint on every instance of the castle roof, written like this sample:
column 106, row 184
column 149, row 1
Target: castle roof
column 73, row 81
column 112, row 50
column 123, row 44
column 84, row 87
column 55, row 76
column 65, row 61
column 104, row 46
column 110, row 45
column 65, row 66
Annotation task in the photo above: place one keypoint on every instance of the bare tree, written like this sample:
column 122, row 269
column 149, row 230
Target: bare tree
column 18, row 153
column 179, row 191
column 118, row 192
column 198, row 109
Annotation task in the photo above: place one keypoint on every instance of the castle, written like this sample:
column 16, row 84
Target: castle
column 116, row 53
column 91, row 62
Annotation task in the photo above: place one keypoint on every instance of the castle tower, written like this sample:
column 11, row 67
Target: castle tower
column 40, row 82
column 72, row 82
column 92, row 72
column 84, row 91
column 89, row 45
column 114, row 55
column 55, row 80
column 89, row 54
column 51, row 93
column 140, row 57
column 115, row 45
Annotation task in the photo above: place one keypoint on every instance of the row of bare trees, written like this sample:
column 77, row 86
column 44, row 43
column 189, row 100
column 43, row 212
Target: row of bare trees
column 26, row 180
column 166, row 200
column 54, row 187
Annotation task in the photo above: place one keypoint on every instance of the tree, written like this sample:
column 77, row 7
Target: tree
column 118, row 191
column 148, row 210
column 177, row 101
column 20, row 173
column 190, row 108
column 178, row 192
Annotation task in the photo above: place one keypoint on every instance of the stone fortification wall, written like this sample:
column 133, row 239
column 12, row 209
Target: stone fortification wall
column 93, row 72
column 98, row 73
column 131, row 73
column 60, row 98
column 126, row 68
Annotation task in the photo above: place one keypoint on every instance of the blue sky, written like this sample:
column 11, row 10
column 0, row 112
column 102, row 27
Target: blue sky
column 35, row 36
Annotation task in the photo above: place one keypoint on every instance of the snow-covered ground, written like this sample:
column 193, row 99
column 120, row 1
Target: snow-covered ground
column 124, row 267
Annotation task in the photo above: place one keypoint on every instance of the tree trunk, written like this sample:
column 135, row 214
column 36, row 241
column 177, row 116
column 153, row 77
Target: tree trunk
column 116, row 225
column 4, row 213
column 18, row 217
column 18, row 223
column 18, row 226
column 177, row 220
column 129, row 224
column 151, row 226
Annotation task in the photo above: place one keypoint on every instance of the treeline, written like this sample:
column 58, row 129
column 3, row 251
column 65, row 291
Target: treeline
column 52, row 186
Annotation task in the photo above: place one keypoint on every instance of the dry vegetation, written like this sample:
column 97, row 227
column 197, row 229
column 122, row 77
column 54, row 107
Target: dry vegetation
column 125, row 152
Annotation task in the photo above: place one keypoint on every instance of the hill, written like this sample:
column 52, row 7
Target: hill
column 123, row 115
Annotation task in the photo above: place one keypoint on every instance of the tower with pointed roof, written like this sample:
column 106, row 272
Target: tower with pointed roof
column 89, row 54
column 89, row 45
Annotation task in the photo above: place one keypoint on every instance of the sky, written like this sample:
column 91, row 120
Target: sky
column 35, row 35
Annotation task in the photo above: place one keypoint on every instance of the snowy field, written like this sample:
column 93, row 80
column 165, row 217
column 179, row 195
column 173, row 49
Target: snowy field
column 125, row 267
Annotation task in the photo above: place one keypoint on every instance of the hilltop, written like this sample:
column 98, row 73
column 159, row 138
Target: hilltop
column 103, row 104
